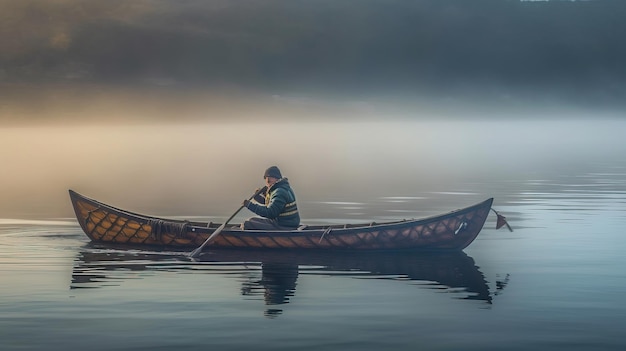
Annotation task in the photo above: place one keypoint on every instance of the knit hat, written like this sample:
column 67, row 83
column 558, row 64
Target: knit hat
column 272, row 172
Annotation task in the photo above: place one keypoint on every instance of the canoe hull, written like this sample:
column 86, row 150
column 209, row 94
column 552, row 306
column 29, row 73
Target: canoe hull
column 451, row 231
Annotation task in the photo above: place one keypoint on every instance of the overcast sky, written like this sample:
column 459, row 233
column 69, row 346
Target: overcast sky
column 570, row 50
column 262, row 60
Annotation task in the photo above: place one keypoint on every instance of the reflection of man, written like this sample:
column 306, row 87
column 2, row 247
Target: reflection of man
column 279, row 281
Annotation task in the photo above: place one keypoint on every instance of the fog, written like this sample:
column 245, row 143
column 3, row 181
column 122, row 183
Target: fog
column 206, row 169
column 176, row 107
column 498, row 51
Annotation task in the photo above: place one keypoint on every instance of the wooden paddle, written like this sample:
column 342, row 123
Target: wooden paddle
column 197, row 251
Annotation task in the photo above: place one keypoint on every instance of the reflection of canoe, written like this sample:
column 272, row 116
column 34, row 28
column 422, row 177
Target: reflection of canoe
column 451, row 231
column 99, row 266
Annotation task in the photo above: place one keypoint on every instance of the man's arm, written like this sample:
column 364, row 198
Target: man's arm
column 278, row 200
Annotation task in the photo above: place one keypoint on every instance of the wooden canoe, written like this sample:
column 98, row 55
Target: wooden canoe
column 451, row 231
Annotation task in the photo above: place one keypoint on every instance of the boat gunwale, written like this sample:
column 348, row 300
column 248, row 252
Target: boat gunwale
column 335, row 228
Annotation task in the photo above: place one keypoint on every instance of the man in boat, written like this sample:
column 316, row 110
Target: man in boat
column 276, row 205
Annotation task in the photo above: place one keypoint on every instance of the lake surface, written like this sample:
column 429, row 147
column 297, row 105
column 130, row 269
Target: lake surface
column 555, row 283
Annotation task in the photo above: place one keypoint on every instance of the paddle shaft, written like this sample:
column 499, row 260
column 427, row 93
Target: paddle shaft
column 221, row 227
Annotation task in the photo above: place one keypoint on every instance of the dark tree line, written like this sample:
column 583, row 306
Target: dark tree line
column 339, row 44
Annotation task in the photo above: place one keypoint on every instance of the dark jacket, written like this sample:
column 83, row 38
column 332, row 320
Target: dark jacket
column 280, row 205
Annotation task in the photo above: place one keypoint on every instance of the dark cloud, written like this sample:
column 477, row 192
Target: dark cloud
column 571, row 49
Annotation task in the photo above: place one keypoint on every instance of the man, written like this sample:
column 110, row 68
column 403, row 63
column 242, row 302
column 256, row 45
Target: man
column 278, row 206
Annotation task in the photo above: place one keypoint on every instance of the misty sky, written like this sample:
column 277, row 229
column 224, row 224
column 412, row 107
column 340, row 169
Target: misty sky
column 267, row 60
column 566, row 51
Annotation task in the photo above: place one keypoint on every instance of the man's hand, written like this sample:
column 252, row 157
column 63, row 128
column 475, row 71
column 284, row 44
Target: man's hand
column 245, row 203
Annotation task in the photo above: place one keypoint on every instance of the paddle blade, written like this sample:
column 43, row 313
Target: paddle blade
column 195, row 252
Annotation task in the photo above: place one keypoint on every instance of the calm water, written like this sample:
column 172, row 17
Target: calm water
column 555, row 283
